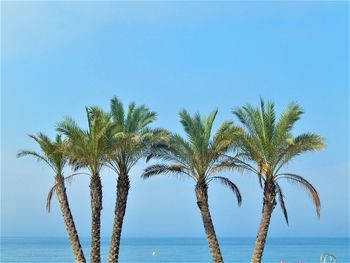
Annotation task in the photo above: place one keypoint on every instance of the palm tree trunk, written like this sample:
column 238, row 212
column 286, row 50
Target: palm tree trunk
column 96, row 207
column 68, row 220
column 268, row 207
column 123, row 186
column 202, row 202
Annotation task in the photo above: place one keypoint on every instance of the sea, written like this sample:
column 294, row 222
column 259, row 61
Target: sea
column 176, row 250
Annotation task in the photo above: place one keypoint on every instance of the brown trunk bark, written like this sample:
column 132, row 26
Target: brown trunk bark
column 96, row 207
column 123, row 186
column 68, row 220
column 202, row 202
column 268, row 207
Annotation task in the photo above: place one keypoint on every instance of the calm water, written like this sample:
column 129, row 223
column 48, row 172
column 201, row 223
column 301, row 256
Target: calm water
column 176, row 250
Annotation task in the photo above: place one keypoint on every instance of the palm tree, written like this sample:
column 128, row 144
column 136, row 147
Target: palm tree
column 270, row 145
column 200, row 157
column 132, row 141
column 89, row 149
column 52, row 155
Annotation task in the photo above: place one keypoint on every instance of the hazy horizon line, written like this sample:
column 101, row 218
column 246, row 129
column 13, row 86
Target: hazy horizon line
column 180, row 237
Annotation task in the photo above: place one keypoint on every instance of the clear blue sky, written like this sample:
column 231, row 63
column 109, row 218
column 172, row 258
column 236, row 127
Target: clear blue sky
column 59, row 57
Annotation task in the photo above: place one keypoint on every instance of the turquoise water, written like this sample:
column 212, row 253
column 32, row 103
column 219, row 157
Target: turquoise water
column 177, row 250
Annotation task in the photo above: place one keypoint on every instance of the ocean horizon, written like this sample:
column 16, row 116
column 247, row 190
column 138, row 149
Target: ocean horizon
column 177, row 249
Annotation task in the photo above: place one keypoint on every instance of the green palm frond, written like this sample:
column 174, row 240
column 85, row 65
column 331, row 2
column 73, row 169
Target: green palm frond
column 69, row 127
column 77, row 142
column 133, row 138
column 141, row 146
column 227, row 182
column 293, row 147
column 203, row 150
column 244, row 115
column 147, row 117
column 308, row 187
column 88, row 148
column 286, row 123
column 193, row 128
column 235, row 163
column 157, row 169
column 138, row 117
column 203, row 153
column 269, row 144
column 117, row 111
column 252, row 141
column 129, row 117
column 176, row 150
column 226, row 137
column 268, row 118
column 39, row 157
column 208, row 125
column 223, row 132
column 52, row 152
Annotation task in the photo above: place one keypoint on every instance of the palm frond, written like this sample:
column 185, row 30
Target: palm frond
column 281, row 201
column 308, row 187
column 88, row 148
column 208, row 126
column 157, row 169
column 53, row 189
column 303, row 143
column 130, row 116
column 69, row 127
column 117, row 111
column 225, row 138
column 309, row 142
column 132, row 138
column 201, row 154
column 286, row 122
column 231, row 163
column 193, row 128
column 49, row 198
column 42, row 139
column 52, row 152
column 269, row 119
column 268, row 144
column 176, row 150
column 227, row 182
column 253, row 140
column 39, row 157
column 244, row 116
column 146, row 118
